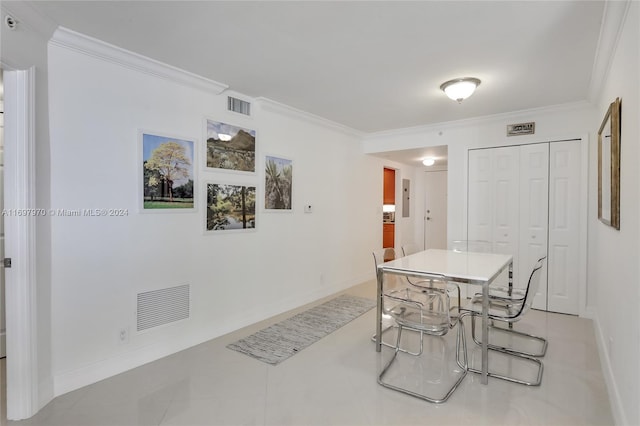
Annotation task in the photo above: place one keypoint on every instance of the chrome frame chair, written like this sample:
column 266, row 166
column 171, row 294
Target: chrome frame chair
column 427, row 310
column 408, row 249
column 503, row 294
column 381, row 256
column 510, row 311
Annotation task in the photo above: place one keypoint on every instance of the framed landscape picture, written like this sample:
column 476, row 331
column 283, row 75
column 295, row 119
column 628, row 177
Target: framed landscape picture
column 278, row 183
column 168, row 175
column 230, row 147
column 230, row 207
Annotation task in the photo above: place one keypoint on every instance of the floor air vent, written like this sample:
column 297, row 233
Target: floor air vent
column 238, row 105
column 164, row 306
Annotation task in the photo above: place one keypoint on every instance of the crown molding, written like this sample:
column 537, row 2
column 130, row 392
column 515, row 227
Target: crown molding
column 269, row 104
column 613, row 18
column 90, row 46
column 474, row 121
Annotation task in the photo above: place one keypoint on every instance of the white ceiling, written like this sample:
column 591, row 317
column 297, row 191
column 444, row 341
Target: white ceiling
column 371, row 66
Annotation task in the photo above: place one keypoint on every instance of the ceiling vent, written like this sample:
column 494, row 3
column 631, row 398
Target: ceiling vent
column 238, row 105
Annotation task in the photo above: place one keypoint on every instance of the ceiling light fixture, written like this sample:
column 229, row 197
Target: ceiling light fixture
column 460, row 89
column 429, row 161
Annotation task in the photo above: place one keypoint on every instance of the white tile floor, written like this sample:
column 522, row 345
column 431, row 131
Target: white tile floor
column 333, row 382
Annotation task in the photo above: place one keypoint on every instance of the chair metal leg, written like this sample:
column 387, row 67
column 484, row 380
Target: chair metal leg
column 513, row 379
column 421, row 396
column 542, row 340
column 402, row 350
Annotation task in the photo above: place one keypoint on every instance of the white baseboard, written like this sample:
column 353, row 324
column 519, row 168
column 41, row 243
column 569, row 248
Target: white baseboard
column 85, row 375
column 617, row 410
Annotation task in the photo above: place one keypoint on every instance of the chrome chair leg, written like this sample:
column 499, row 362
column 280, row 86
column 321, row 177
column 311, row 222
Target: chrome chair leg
column 542, row 340
column 459, row 338
column 536, row 361
column 373, row 338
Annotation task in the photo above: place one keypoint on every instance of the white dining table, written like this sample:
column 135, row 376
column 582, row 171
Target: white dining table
column 461, row 267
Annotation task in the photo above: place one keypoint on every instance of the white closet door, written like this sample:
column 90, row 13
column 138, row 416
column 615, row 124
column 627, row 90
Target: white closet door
column 480, row 197
column 564, row 222
column 505, row 201
column 493, row 201
column 534, row 208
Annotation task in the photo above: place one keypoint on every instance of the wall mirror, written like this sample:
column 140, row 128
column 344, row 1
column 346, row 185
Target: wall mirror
column 609, row 167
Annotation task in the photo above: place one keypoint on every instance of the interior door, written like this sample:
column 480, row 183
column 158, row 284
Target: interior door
column 534, row 207
column 505, row 202
column 479, row 217
column 564, row 222
column 435, row 220
column 3, row 321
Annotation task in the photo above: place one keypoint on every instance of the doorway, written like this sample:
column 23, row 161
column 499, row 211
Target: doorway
column 435, row 217
column 3, row 322
column 388, row 208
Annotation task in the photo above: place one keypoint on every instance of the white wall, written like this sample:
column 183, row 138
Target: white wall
column 613, row 255
column 21, row 49
column 100, row 263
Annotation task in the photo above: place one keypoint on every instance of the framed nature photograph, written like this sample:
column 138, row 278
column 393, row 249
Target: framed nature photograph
column 230, row 147
column 278, row 183
column 230, row 207
column 168, row 175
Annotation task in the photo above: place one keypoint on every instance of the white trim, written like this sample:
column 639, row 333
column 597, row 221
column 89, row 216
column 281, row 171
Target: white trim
column 552, row 109
column 274, row 106
column 613, row 18
column 619, row 417
column 90, row 46
column 19, row 193
column 584, row 310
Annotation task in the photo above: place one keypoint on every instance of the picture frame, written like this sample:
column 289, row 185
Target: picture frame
column 167, row 173
column 229, row 147
column 278, row 184
column 609, row 166
column 230, row 207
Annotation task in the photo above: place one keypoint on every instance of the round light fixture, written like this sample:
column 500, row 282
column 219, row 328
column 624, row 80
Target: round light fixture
column 460, row 89
column 429, row 161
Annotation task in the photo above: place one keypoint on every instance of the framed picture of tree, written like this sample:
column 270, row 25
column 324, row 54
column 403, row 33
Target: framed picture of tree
column 230, row 207
column 167, row 173
column 230, row 147
column 278, row 184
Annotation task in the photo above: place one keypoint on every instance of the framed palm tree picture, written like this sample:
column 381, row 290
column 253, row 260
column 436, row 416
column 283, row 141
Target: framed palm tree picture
column 278, row 184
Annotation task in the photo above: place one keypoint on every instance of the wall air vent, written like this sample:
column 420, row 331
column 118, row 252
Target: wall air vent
column 163, row 306
column 238, row 105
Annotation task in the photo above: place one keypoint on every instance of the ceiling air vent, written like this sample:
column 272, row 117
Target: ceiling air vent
column 238, row 105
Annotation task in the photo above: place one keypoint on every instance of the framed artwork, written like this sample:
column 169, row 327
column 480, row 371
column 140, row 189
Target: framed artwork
column 167, row 173
column 230, row 147
column 278, row 183
column 609, row 166
column 230, row 207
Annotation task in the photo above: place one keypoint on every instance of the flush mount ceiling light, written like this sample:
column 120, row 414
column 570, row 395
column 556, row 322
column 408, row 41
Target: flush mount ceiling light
column 460, row 89
column 429, row 161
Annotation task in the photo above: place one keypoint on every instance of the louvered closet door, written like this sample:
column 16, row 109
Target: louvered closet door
column 534, row 207
column 564, row 222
